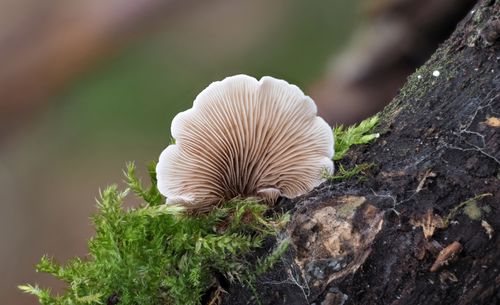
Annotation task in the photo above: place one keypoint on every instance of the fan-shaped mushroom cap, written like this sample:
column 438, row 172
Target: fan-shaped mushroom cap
column 245, row 138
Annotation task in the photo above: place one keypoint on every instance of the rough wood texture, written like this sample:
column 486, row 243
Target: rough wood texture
column 436, row 169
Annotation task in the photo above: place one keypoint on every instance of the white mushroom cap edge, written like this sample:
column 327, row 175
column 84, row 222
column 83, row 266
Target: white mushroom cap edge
column 245, row 138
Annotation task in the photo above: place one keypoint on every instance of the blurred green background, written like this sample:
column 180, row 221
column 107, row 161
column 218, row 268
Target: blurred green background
column 119, row 109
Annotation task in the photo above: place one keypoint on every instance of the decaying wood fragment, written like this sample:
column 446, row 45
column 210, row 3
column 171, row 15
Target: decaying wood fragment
column 429, row 223
column 446, row 255
column 421, row 184
column 488, row 228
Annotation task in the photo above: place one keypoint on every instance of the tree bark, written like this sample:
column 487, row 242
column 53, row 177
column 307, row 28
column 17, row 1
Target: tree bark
column 420, row 227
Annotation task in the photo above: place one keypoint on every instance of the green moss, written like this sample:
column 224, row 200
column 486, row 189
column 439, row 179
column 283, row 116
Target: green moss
column 361, row 133
column 343, row 174
column 157, row 253
column 345, row 138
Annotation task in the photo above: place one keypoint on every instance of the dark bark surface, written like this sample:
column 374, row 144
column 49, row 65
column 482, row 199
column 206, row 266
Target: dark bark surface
column 436, row 166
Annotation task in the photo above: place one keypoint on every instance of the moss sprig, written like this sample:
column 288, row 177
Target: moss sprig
column 361, row 133
column 345, row 174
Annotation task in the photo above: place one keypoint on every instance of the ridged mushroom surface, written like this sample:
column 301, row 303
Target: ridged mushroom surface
column 245, row 138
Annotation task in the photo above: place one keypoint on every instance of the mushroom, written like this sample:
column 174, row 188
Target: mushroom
column 245, row 138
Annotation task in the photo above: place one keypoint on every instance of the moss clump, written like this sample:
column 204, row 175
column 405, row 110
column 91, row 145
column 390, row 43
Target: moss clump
column 159, row 254
column 357, row 134
column 361, row 133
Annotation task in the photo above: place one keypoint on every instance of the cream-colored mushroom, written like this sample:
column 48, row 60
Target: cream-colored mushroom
column 245, row 138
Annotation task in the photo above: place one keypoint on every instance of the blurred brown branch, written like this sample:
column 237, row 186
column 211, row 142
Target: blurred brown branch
column 398, row 36
column 47, row 43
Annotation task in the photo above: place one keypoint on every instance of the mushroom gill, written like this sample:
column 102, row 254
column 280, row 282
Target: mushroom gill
column 245, row 138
